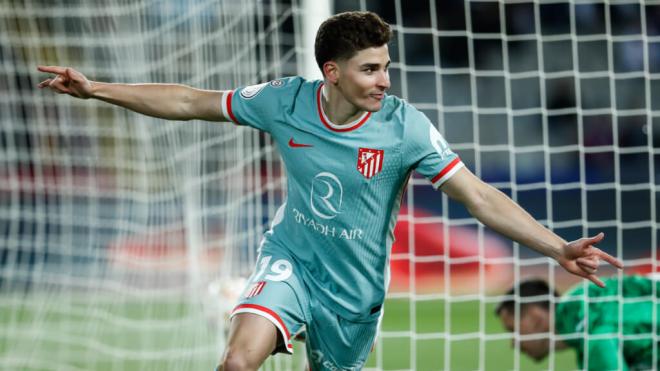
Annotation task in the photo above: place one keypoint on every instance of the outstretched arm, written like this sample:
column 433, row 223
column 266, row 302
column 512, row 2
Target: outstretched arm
column 166, row 101
column 499, row 212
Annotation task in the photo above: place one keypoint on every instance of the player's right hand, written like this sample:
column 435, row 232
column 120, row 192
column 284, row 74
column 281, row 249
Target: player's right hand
column 66, row 81
column 582, row 258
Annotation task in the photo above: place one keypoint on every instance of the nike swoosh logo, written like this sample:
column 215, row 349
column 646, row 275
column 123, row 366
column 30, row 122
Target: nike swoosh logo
column 298, row 145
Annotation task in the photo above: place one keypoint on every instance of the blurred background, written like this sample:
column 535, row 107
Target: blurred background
column 124, row 240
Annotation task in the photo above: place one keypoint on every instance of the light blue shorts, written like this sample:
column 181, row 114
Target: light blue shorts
column 277, row 293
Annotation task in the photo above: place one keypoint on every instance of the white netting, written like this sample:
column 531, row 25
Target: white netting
column 119, row 232
column 553, row 102
column 123, row 237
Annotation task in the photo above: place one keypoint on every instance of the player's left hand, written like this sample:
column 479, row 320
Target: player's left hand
column 582, row 258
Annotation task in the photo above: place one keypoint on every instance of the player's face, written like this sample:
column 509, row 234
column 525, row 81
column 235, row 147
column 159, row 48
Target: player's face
column 364, row 78
column 534, row 320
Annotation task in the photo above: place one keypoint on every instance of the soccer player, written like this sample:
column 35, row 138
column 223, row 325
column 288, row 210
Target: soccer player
column 589, row 322
column 349, row 149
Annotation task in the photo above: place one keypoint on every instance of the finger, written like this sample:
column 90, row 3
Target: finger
column 44, row 83
column 60, row 79
column 75, row 76
column 587, row 269
column 610, row 259
column 593, row 278
column 67, row 73
column 596, row 239
column 587, row 262
column 52, row 69
column 59, row 87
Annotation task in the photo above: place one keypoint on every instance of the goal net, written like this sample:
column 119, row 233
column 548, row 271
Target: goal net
column 553, row 102
column 124, row 239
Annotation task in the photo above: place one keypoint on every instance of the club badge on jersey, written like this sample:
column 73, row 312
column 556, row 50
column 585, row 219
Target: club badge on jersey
column 370, row 161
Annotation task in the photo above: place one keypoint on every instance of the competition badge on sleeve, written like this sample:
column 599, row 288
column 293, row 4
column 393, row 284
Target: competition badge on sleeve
column 370, row 161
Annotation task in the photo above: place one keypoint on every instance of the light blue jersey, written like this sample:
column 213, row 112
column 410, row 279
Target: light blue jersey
column 344, row 185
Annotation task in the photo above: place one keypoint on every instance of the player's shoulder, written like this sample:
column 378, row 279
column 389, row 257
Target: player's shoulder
column 396, row 109
column 403, row 115
column 392, row 104
column 290, row 82
column 280, row 86
column 291, row 89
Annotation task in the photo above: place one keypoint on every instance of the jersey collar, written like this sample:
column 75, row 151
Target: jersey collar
column 332, row 126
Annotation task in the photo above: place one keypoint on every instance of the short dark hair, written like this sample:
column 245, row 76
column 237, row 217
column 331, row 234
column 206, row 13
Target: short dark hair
column 343, row 35
column 527, row 288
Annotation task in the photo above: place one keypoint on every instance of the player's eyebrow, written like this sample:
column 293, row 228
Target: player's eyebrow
column 375, row 65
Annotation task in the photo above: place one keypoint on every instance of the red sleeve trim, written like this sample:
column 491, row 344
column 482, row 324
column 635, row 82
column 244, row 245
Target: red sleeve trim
column 229, row 110
column 446, row 170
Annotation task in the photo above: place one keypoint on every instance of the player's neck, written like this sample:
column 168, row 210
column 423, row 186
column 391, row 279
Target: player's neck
column 337, row 108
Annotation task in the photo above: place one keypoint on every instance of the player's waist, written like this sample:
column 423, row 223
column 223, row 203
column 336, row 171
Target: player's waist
column 351, row 289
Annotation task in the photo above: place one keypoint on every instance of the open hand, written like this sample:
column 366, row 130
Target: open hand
column 582, row 258
column 66, row 81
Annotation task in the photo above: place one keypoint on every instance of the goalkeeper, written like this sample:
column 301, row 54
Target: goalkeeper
column 590, row 321
column 349, row 150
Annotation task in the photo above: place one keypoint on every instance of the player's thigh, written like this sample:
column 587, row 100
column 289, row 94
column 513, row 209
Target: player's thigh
column 335, row 343
column 251, row 340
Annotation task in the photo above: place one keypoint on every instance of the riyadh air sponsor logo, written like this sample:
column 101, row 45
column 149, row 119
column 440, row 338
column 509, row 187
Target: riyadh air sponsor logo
column 326, row 195
column 326, row 229
column 370, row 161
column 325, row 201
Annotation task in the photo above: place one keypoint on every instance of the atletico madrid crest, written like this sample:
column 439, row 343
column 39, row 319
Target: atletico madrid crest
column 370, row 161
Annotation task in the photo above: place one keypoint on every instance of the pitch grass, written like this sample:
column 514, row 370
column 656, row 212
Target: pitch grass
column 48, row 333
column 465, row 350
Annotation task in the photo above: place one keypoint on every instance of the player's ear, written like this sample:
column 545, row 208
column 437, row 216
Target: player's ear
column 331, row 72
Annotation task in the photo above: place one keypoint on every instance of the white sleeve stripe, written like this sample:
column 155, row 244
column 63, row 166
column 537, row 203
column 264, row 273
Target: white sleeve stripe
column 225, row 105
column 448, row 175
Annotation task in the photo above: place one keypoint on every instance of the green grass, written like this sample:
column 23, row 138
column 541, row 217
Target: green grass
column 79, row 332
column 461, row 325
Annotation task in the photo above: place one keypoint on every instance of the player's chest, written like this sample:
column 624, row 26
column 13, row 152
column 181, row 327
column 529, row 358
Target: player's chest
column 361, row 156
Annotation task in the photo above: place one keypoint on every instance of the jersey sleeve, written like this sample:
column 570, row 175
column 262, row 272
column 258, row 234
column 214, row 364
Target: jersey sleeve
column 260, row 105
column 426, row 151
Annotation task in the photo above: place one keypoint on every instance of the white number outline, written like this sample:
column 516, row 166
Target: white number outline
column 280, row 270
